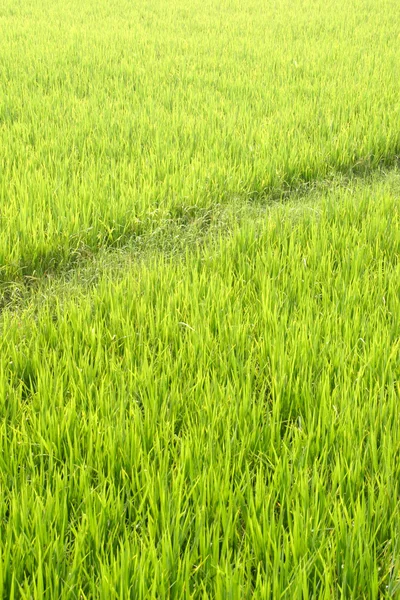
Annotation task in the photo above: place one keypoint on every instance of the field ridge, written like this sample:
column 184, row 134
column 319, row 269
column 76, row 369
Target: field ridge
column 183, row 221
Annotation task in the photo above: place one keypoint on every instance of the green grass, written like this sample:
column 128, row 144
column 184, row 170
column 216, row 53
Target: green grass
column 221, row 422
column 115, row 113
column 199, row 309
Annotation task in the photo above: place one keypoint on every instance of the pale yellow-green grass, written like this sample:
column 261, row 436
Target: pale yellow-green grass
column 222, row 423
column 114, row 113
column 199, row 389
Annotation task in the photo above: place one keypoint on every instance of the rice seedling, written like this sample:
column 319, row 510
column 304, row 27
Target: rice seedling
column 219, row 423
column 199, row 388
column 116, row 114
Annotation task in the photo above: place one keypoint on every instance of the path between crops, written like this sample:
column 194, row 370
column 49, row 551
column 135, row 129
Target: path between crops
column 188, row 228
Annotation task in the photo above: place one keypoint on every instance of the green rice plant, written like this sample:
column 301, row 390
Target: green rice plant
column 114, row 115
column 221, row 423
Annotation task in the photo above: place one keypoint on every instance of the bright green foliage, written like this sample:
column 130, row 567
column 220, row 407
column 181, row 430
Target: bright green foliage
column 210, row 410
column 115, row 111
column 223, row 424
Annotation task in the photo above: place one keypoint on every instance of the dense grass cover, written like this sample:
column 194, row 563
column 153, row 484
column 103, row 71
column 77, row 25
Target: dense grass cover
column 219, row 424
column 199, row 389
column 113, row 112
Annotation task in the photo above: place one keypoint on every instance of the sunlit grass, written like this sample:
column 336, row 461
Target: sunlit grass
column 115, row 114
column 199, row 339
column 219, row 423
